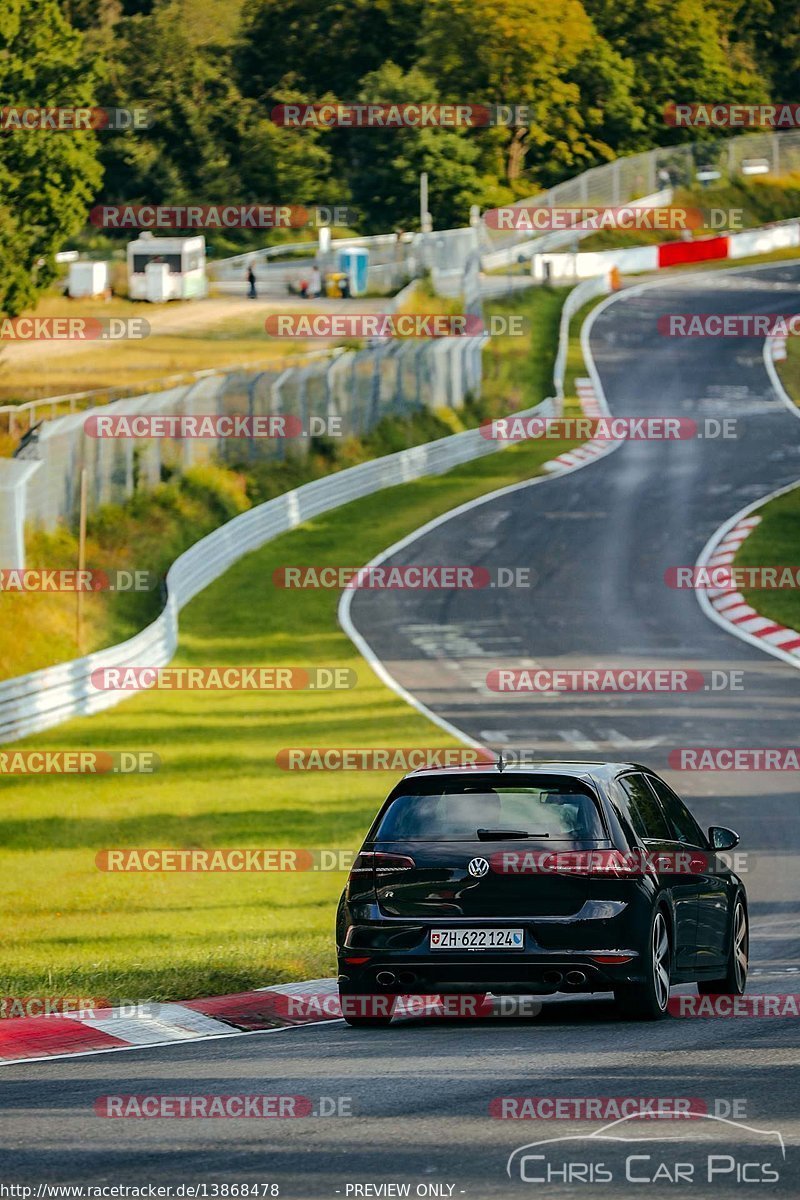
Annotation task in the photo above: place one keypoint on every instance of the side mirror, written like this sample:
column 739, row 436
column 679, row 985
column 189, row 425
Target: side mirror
column 722, row 838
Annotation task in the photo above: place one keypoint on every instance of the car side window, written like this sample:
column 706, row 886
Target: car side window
column 643, row 809
column 684, row 826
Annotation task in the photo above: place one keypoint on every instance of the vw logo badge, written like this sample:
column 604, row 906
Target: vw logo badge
column 478, row 867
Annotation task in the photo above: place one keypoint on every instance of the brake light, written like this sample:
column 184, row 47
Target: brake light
column 616, row 864
column 372, row 863
column 602, row 863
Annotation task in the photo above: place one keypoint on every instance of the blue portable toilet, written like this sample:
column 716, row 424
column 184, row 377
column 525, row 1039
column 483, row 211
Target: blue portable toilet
column 355, row 263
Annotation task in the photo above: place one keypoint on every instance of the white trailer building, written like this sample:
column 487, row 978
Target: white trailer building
column 169, row 268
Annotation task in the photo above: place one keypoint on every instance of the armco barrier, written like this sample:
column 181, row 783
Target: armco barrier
column 566, row 268
column 626, row 180
column 671, row 254
column 35, row 702
column 580, row 295
column 763, row 241
column 547, row 242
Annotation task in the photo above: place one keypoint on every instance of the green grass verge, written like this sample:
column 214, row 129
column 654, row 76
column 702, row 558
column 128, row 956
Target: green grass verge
column 152, row 529
column 72, row 929
column 518, row 371
column 576, row 363
column 789, row 369
column 775, row 542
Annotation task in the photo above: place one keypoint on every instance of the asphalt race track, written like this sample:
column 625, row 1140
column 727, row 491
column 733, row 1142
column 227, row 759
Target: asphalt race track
column 598, row 542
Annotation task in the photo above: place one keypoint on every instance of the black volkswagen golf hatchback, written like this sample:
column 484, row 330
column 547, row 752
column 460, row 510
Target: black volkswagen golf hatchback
column 533, row 880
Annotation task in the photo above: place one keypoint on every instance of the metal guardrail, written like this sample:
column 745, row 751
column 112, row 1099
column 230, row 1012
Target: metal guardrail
column 35, row 702
column 38, row 701
column 447, row 251
column 631, row 178
column 600, row 285
column 73, row 402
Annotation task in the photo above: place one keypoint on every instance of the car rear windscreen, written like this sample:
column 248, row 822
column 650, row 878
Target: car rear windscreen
column 455, row 815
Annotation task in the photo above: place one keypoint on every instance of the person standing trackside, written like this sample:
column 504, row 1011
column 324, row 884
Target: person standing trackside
column 251, row 279
column 315, row 284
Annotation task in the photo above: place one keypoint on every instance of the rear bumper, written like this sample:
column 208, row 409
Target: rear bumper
column 520, row 974
column 559, row 952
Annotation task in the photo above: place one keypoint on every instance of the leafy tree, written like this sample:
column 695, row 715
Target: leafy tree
column 326, row 46
column 47, row 178
column 190, row 152
column 679, row 54
column 770, row 33
column 91, row 14
column 206, row 143
column 286, row 166
column 512, row 52
column 384, row 165
column 611, row 117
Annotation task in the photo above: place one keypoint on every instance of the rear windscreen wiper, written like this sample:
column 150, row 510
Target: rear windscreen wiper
column 500, row 835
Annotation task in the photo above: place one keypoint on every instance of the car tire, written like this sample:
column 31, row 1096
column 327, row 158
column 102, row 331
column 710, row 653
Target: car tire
column 648, row 1001
column 368, row 1022
column 362, row 1020
column 734, row 981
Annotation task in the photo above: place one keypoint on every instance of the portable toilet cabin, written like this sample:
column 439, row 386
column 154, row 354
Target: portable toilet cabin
column 87, row 279
column 354, row 262
column 169, row 268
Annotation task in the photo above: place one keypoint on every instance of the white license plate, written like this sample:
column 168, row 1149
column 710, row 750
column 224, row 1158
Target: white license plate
column 477, row 939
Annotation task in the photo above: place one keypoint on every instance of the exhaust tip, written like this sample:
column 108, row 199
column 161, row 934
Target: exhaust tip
column 385, row 978
column 575, row 978
column 406, row 978
column 552, row 977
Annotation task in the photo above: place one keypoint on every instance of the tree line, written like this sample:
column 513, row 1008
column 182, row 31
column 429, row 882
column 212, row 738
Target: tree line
column 594, row 75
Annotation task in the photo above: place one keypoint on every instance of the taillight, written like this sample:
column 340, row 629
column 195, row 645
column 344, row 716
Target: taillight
column 605, row 863
column 616, row 864
column 375, row 863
